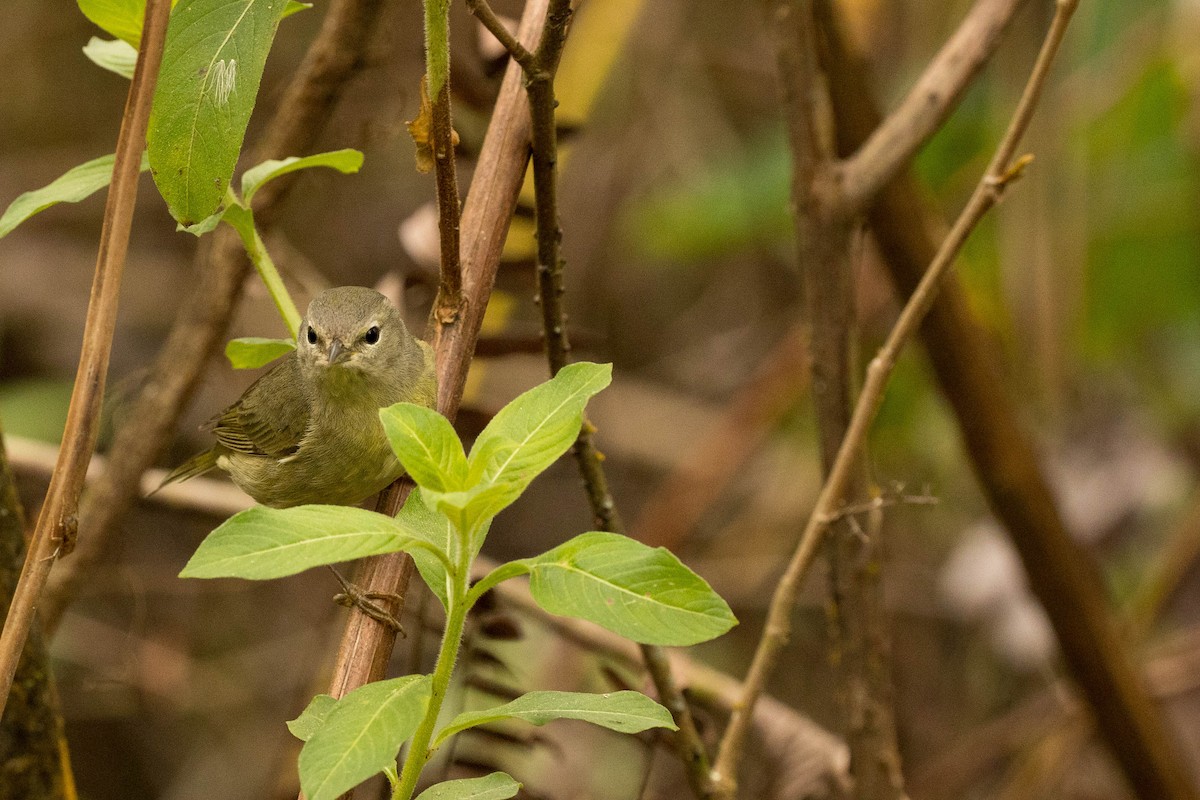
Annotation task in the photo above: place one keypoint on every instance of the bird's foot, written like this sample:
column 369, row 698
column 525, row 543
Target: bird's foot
column 353, row 597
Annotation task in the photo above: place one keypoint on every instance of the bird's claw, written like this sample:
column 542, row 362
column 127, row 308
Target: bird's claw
column 353, row 597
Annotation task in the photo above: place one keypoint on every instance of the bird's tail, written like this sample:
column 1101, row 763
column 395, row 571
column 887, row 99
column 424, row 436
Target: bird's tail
column 196, row 465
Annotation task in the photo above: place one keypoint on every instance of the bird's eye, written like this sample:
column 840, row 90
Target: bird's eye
column 311, row 336
column 372, row 335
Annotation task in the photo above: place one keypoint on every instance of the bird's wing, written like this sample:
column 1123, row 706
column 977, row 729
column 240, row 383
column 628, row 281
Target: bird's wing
column 270, row 418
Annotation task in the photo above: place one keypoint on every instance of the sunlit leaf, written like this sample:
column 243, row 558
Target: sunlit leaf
column 642, row 593
column 361, row 735
column 77, row 183
column 497, row 786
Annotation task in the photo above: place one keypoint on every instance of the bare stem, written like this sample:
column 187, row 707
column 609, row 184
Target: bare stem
column 999, row 174
column 54, row 534
column 927, row 105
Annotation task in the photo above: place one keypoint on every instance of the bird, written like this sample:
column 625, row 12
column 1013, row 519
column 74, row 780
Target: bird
column 308, row 431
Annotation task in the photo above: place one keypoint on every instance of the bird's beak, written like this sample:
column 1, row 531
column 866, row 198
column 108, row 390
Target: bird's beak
column 335, row 350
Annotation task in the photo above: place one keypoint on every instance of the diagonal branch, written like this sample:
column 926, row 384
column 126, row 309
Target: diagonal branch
column 930, row 101
column 57, row 523
column 1001, row 171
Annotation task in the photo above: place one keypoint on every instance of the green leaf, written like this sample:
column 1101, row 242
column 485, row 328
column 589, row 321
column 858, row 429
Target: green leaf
column 77, row 183
column 362, row 735
column 344, row 161
column 472, row 508
column 251, row 352
column 625, row 712
column 262, row 543
column 207, row 86
column 117, row 56
column 294, row 7
column 312, row 718
column 206, row 225
column 427, row 446
column 642, row 593
column 121, row 18
column 540, row 425
column 497, row 786
column 435, row 529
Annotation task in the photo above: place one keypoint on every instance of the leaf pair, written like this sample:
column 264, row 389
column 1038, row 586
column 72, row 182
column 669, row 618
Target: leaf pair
column 349, row 740
column 521, row 441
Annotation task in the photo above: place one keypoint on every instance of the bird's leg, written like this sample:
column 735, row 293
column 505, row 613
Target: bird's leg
column 353, row 597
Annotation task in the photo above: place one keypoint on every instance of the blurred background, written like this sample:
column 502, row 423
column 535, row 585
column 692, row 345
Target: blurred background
column 681, row 271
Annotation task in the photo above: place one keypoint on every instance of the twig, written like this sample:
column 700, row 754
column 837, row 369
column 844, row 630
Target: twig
column 483, row 12
column 927, row 105
column 448, row 304
column 57, row 523
column 986, row 194
column 335, row 55
column 539, row 71
column 1006, row 461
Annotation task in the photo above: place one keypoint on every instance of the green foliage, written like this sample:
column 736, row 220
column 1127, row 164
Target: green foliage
column 641, row 592
column 116, row 55
column 121, row 18
column 625, row 712
column 361, row 734
column 262, row 542
column 496, row 786
column 252, row 352
column 74, row 185
column 207, row 85
column 345, row 161
column 312, row 718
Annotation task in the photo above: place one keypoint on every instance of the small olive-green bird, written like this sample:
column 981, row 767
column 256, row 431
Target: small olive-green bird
column 308, row 431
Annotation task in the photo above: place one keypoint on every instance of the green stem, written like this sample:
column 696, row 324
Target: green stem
column 437, row 44
column 418, row 749
column 242, row 220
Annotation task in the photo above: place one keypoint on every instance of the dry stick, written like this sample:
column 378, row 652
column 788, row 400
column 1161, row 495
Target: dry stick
column 334, row 56
column 935, row 94
column 860, row 646
column 366, row 644
column 57, row 522
column 1006, row 463
column 449, row 297
column 1001, row 171
column 539, row 68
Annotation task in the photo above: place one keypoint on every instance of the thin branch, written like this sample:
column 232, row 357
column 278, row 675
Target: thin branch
column 334, row 56
column 999, row 174
column 57, row 523
column 930, row 101
column 484, row 13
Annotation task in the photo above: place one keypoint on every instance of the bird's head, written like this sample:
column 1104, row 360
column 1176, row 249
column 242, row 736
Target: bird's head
column 352, row 331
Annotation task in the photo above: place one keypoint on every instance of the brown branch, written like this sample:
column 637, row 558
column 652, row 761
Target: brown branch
column 450, row 295
column 1001, row 171
column 366, row 644
column 34, row 761
column 925, row 108
column 484, row 13
column 54, row 534
column 333, row 58
column 824, row 233
column 1006, row 463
